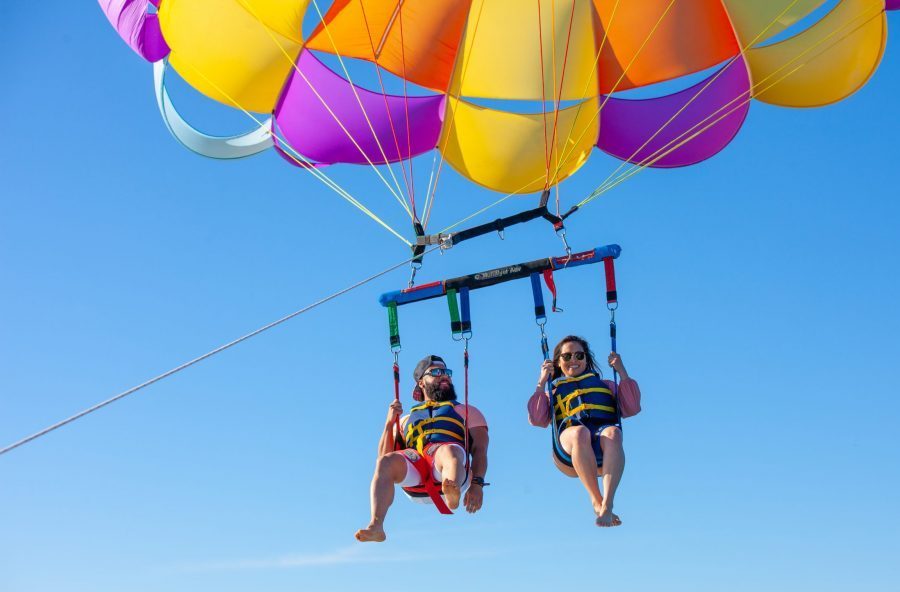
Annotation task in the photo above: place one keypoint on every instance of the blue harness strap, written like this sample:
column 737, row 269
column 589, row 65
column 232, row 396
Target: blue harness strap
column 540, row 312
column 465, row 315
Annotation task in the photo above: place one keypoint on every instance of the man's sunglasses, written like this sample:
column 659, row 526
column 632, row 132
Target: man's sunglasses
column 439, row 372
column 568, row 356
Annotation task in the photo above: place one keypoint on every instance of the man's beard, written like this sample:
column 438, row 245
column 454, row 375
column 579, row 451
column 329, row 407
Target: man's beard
column 441, row 391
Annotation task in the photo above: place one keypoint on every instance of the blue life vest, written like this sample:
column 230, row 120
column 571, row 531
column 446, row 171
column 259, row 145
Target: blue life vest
column 433, row 421
column 582, row 399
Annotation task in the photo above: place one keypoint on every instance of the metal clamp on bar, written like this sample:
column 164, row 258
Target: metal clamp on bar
column 445, row 241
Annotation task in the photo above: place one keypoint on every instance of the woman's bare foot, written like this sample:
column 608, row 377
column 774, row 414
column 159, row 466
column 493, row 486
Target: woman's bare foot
column 373, row 533
column 606, row 518
column 451, row 493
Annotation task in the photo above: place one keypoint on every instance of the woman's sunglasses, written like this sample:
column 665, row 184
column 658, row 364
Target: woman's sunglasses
column 439, row 372
column 568, row 356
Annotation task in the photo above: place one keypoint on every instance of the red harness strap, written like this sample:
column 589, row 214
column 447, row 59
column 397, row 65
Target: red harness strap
column 551, row 285
column 429, row 485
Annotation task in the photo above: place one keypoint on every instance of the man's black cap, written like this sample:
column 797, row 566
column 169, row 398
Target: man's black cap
column 426, row 363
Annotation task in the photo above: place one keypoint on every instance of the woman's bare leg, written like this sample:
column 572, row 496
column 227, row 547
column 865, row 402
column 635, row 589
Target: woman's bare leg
column 576, row 441
column 613, row 466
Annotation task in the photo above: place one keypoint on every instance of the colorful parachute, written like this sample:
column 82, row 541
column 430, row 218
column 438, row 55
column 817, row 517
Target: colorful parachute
column 572, row 57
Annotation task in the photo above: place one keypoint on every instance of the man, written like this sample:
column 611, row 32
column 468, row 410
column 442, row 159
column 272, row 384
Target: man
column 434, row 443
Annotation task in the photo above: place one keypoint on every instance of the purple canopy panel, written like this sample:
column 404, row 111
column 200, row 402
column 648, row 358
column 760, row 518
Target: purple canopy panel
column 287, row 154
column 716, row 111
column 892, row 5
column 308, row 126
column 137, row 27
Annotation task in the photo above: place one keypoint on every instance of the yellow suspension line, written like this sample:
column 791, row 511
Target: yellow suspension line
column 404, row 203
column 743, row 50
column 320, row 175
column 656, row 156
column 397, row 196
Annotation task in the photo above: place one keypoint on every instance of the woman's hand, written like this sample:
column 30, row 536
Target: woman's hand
column 615, row 362
column 394, row 411
column 546, row 373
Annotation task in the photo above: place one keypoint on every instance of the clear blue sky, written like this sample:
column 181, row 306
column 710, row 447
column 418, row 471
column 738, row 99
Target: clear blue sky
column 758, row 312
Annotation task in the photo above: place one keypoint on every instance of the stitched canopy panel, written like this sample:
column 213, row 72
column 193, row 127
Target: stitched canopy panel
column 513, row 94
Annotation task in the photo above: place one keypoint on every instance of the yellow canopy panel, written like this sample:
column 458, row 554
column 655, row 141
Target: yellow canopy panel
column 506, row 151
column 759, row 20
column 504, row 46
column 234, row 51
column 825, row 63
column 414, row 39
column 648, row 41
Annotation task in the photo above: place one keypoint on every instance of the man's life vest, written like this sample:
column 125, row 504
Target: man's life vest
column 432, row 422
column 582, row 399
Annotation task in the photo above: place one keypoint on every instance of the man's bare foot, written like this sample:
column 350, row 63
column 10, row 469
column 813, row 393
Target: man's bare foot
column 373, row 533
column 451, row 493
column 606, row 518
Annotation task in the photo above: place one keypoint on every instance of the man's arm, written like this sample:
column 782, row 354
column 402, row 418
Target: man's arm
column 479, row 445
column 386, row 442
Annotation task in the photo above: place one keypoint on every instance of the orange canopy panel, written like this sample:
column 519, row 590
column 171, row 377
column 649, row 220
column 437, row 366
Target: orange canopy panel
column 415, row 39
column 690, row 36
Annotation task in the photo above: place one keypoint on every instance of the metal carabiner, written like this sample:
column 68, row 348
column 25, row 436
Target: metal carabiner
column 561, row 233
column 412, row 276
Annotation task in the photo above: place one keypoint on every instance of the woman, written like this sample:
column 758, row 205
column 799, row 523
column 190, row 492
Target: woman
column 588, row 442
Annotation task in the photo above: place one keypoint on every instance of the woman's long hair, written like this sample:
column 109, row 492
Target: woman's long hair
column 588, row 355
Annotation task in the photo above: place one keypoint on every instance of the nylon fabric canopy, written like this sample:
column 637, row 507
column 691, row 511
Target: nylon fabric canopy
column 514, row 94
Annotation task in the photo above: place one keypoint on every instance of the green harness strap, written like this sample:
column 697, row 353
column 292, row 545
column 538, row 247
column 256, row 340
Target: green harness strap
column 453, row 305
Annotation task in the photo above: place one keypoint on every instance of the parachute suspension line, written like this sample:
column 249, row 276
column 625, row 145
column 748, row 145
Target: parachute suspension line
column 618, row 81
column 465, row 66
column 543, row 93
column 397, row 196
column 562, row 78
column 337, row 188
column 412, row 178
column 375, row 55
column 584, row 90
column 303, row 163
column 536, row 179
column 674, row 144
column 743, row 50
column 209, row 354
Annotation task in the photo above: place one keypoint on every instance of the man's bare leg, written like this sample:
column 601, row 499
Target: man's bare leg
column 613, row 466
column 389, row 470
column 448, row 460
